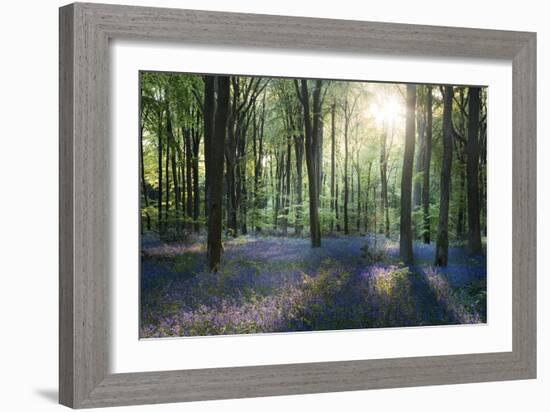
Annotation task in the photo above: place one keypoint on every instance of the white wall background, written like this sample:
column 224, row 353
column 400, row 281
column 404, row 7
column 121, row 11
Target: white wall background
column 28, row 205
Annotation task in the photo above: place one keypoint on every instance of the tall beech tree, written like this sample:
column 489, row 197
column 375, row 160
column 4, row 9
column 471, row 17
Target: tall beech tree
column 195, row 148
column 367, row 190
column 167, row 181
column 233, row 128
column 286, row 185
column 442, row 240
column 358, row 171
column 384, row 180
column 472, row 170
column 483, row 162
column 258, row 154
column 159, row 155
column 208, row 116
column 426, row 218
column 215, row 171
column 332, row 163
column 299, row 154
column 459, row 140
column 406, row 237
column 244, row 92
column 311, row 127
column 348, row 109
column 144, row 114
column 420, row 152
column 171, row 141
column 187, row 131
column 346, row 167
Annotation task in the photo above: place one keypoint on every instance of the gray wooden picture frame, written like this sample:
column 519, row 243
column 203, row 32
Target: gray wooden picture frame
column 85, row 31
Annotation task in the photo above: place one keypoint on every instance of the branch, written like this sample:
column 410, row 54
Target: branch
column 401, row 92
column 483, row 119
column 457, row 135
column 298, row 94
column 253, row 96
column 461, row 107
column 198, row 99
column 325, row 93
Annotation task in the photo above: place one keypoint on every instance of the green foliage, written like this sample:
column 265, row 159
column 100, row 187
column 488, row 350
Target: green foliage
column 277, row 116
column 473, row 296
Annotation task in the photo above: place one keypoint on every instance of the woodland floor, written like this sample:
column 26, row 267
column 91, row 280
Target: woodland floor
column 281, row 284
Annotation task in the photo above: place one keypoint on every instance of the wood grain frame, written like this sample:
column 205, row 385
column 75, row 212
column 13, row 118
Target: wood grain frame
column 85, row 31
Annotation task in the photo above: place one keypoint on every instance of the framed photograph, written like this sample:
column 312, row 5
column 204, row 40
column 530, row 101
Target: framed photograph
column 256, row 205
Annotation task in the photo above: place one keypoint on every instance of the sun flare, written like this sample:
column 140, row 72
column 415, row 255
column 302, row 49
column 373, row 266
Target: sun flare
column 386, row 110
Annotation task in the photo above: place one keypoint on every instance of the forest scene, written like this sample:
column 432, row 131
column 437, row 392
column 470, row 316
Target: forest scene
column 285, row 205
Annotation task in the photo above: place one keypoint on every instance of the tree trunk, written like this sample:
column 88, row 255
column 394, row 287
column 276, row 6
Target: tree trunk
column 358, row 194
column 460, row 156
column 461, row 218
column 374, row 214
column 483, row 166
column 215, row 172
column 426, row 168
column 405, row 228
column 474, row 226
column 167, row 188
column 281, row 192
column 209, row 107
column 171, row 141
column 387, row 213
column 312, row 161
column 288, row 172
column 142, row 176
column 242, row 193
column 196, row 138
column 351, row 192
column 279, row 159
column 332, row 164
column 299, row 151
column 174, row 166
column 442, row 241
column 230, row 157
column 257, row 146
column 273, row 194
column 336, row 209
column 419, row 164
column 256, row 181
column 263, row 198
column 183, row 168
column 319, row 130
column 159, row 201
column 384, row 184
column 188, row 176
column 367, row 199
column 346, row 177
column 317, row 138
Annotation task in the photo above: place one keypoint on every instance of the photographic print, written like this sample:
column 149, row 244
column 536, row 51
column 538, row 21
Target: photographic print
column 293, row 205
